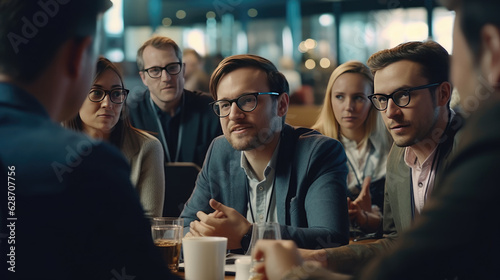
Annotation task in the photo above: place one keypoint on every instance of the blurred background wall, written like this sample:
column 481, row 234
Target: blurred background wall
column 306, row 39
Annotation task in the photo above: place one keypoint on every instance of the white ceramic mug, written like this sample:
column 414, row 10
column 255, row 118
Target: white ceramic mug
column 204, row 257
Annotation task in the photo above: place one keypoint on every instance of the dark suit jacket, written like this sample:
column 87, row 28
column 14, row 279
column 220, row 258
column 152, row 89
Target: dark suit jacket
column 200, row 125
column 457, row 233
column 310, row 187
column 397, row 215
column 78, row 216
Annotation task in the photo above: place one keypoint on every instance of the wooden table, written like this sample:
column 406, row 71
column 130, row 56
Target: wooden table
column 232, row 277
column 365, row 241
column 227, row 277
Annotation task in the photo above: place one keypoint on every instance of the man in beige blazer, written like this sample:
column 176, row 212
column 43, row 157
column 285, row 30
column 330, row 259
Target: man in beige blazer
column 448, row 241
column 412, row 92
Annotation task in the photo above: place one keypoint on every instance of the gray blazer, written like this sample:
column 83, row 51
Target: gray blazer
column 397, row 215
column 310, row 187
column 456, row 236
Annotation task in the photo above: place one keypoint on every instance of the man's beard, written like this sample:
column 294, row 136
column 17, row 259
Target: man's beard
column 260, row 139
column 255, row 141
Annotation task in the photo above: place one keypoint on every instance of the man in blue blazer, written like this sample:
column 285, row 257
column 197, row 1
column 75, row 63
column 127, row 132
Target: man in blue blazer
column 263, row 170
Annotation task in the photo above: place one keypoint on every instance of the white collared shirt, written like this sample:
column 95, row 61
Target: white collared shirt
column 369, row 160
column 262, row 196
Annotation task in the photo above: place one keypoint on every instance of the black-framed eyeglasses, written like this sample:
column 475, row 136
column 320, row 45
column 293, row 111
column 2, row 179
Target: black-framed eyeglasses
column 400, row 97
column 173, row 68
column 117, row 96
column 246, row 102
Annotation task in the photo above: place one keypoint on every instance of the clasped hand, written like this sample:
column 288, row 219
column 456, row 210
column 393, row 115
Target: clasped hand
column 224, row 222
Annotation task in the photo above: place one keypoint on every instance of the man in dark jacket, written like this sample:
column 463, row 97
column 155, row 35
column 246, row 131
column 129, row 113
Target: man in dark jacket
column 182, row 120
column 68, row 207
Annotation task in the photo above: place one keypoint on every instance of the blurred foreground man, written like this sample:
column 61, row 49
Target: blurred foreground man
column 68, row 208
column 446, row 242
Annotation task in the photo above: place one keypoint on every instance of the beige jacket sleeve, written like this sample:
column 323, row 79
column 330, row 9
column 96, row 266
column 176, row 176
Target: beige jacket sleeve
column 145, row 155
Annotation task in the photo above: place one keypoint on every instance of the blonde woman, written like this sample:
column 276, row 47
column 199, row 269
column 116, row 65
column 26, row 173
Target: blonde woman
column 347, row 115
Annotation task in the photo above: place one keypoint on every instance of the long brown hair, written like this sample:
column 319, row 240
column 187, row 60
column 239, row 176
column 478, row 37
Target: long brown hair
column 118, row 132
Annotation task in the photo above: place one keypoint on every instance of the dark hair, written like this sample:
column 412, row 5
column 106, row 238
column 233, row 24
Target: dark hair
column 275, row 79
column 434, row 59
column 193, row 52
column 118, row 133
column 473, row 16
column 32, row 31
column 158, row 42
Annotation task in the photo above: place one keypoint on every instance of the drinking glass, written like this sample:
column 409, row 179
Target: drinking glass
column 168, row 221
column 268, row 230
column 167, row 236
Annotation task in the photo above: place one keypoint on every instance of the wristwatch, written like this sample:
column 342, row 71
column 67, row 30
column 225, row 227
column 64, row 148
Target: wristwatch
column 245, row 240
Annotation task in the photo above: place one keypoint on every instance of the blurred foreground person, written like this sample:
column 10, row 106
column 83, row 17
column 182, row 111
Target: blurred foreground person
column 68, row 206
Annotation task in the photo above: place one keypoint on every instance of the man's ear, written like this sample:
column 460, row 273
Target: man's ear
column 183, row 72
column 143, row 77
column 283, row 101
column 78, row 56
column 444, row 93
column 490, row 55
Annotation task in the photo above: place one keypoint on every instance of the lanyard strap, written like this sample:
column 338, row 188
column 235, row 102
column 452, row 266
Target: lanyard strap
column 270, row 200
column 412, row 196
column 372, row 149
column 162, row 133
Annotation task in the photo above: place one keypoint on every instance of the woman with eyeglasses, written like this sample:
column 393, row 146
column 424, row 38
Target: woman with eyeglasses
column 347, row 115
column 103, row 116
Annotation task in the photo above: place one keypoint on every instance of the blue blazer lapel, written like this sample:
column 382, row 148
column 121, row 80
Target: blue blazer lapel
column 238, row 185
column 284, row 187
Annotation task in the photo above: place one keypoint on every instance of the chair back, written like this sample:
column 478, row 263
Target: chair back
column 180, row 180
